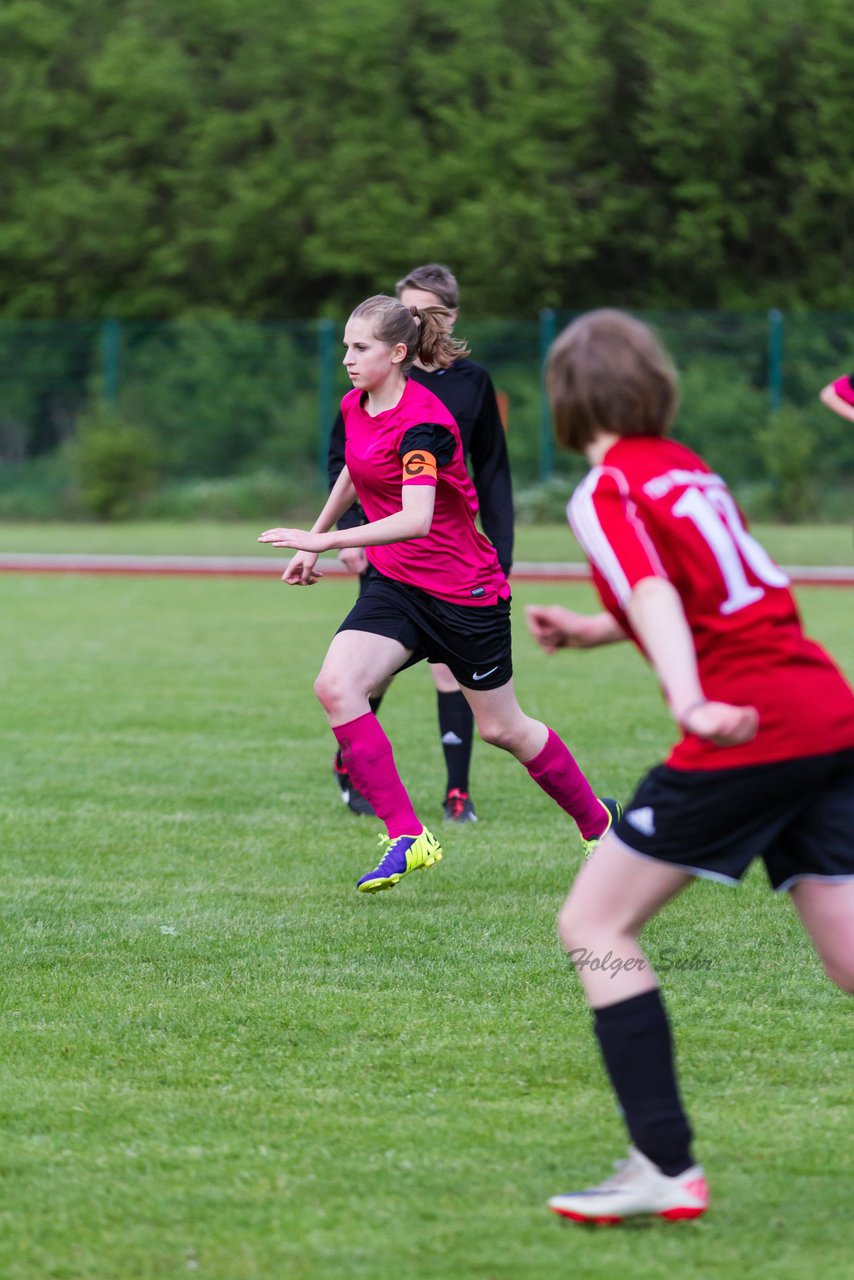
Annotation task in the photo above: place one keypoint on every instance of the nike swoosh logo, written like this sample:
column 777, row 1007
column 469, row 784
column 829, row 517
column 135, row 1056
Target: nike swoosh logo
column 481, row 675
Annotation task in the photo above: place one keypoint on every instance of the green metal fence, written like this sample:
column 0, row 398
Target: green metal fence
column 222, row 396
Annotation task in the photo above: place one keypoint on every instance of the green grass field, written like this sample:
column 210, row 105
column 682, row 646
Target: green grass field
column 218, row 1059
column 825, row 544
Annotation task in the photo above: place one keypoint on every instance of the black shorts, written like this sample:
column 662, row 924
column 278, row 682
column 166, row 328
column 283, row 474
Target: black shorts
column 797, row 815
column 473, row 640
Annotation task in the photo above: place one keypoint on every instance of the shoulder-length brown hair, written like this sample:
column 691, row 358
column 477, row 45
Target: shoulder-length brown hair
column 608, row 372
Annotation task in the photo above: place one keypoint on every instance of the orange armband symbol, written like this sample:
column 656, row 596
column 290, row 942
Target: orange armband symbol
column 418, row 465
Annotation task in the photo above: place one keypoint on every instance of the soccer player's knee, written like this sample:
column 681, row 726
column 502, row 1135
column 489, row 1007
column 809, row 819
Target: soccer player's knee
column 496, row 733
column 328, row 689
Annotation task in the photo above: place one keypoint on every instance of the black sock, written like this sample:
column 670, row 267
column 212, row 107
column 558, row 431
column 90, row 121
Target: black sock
column 634, row 1036
column 456, row 728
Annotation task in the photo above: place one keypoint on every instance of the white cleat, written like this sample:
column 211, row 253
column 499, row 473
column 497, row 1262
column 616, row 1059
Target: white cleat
column 638, row 1187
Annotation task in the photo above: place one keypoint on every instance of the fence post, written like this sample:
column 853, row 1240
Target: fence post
column 548, row 332
column 110, row 362
column 775, row 359
column 325, row 393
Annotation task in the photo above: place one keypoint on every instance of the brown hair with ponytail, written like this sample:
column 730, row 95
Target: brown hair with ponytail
column 425, row 331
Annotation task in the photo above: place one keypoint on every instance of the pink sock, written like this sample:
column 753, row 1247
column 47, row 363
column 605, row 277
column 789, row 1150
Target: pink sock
column 555, row 770
column 369, row 760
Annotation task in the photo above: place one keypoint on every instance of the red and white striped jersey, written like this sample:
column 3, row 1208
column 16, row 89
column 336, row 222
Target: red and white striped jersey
column 655, row 509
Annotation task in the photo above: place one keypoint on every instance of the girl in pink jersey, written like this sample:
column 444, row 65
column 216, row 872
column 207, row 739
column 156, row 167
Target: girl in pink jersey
column 468, row 392
column 765, row 763
column 436, row 590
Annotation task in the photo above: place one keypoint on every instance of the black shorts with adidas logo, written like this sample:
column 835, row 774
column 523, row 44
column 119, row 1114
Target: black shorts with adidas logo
column 797, row 815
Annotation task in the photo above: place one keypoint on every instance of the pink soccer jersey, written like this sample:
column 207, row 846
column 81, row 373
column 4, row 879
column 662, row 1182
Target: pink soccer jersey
column 654, row 509
column 455, row 562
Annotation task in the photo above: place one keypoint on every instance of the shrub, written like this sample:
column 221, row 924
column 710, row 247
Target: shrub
column 115, row 464
column 788, row 446
column 260, row 495
column 41, row 489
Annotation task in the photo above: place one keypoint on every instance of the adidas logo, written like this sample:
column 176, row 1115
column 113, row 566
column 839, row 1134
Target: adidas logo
column 642, row 820
column 450, row 739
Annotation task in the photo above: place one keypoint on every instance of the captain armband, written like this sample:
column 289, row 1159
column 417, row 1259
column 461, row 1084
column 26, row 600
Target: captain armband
column 419, row 467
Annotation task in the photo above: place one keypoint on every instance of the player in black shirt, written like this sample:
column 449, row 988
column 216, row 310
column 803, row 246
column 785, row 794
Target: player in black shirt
column 466, row 389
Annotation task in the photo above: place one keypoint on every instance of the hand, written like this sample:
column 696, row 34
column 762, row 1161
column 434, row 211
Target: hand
column 353, row 559
column 301, row 571
column 544, row 626
column 300, row 539
column 721, row 723
column 554, row 627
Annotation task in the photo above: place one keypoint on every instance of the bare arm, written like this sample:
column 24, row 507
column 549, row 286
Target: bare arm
column 554, row 627
column 353, row 558
column 341, row 498
column 833, row 400
column 412, row 521
column 302, row 569
column 658, row 620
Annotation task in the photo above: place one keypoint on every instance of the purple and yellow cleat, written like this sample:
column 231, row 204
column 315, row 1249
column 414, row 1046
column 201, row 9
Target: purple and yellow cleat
column 404, row 854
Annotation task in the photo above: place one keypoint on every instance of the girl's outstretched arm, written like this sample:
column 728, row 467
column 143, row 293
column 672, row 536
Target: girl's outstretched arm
column 412, row 521
column 302, row 571
column 554, row 627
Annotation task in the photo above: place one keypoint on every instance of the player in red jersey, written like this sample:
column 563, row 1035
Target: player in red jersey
column 839, row 396
column 765, row 764
column 437, row 590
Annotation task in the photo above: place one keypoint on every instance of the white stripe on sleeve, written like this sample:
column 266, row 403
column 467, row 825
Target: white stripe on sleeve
column 585, row 524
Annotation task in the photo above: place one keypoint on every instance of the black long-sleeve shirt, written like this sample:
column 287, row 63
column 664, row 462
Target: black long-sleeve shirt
column 466, row 390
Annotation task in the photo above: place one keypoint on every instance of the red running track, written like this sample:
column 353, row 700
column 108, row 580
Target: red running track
column 255, row 566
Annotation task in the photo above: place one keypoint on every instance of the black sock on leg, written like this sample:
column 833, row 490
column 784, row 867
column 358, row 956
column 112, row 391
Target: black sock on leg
column 637, row 1047
column 456, row 728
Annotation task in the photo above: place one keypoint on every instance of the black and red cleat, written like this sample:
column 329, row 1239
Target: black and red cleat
column 350, row 794
column 458, row 806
